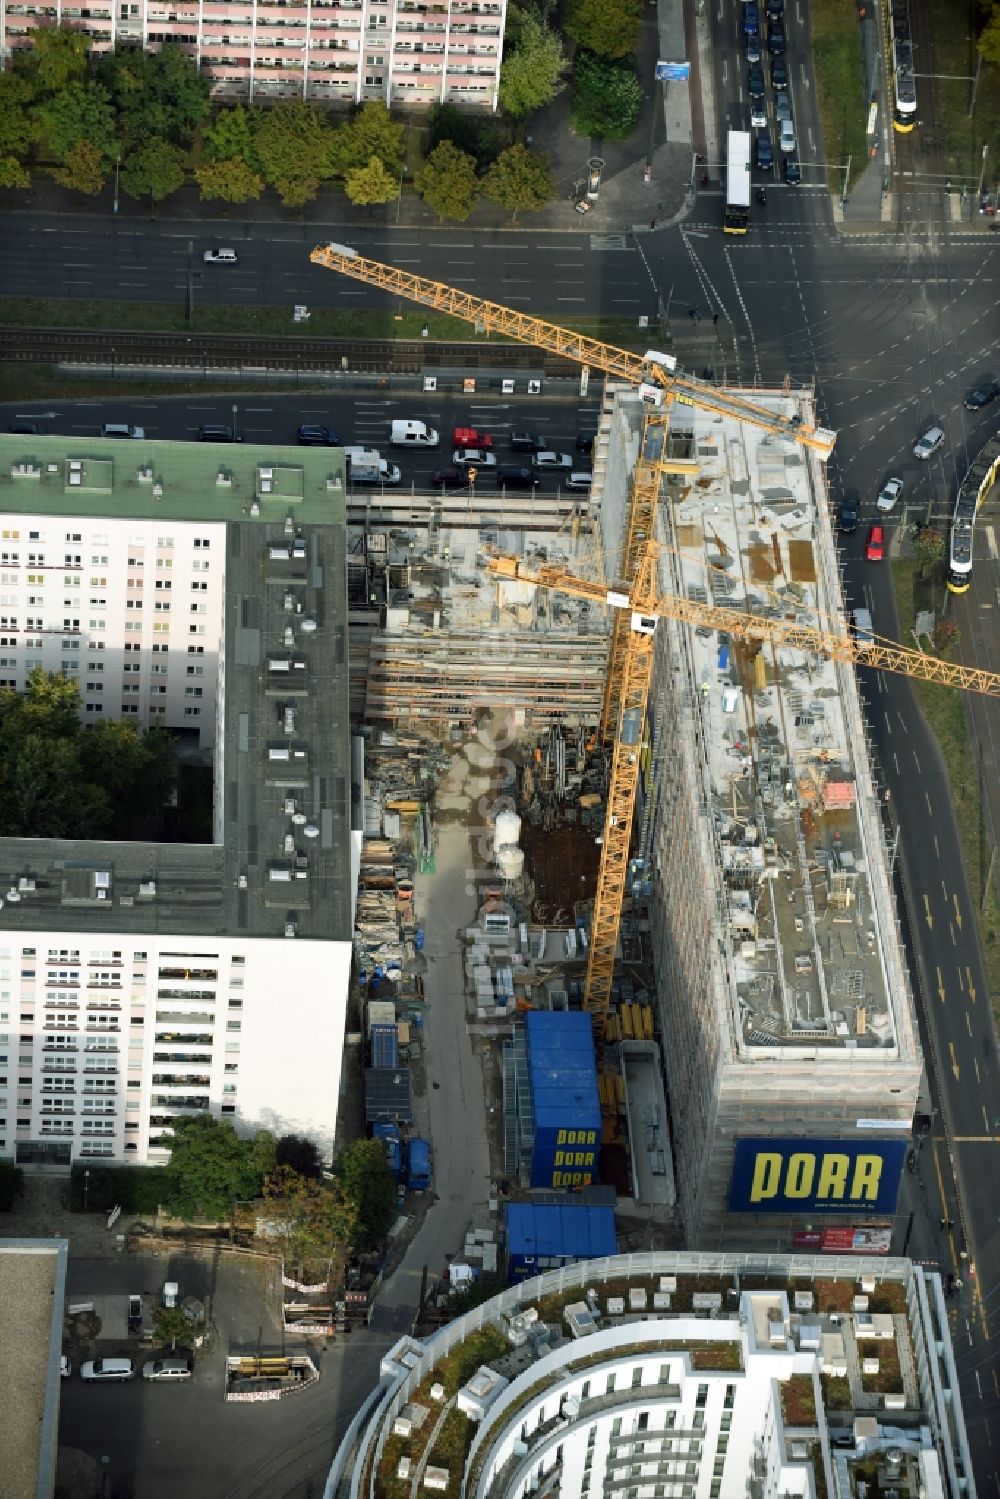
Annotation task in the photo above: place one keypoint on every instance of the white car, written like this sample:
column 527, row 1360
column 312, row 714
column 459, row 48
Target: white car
column 220, row 257
column 166, row 1368
column 891, row 491
column 122, row 429
column 552, row 460
column 758, row 115
column 786, row 139
column 473, row 458
column 107, row 1369
column 928, row 445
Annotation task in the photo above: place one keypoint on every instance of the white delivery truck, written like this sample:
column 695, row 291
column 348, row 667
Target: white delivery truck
column 410, row 434
column 367, row 466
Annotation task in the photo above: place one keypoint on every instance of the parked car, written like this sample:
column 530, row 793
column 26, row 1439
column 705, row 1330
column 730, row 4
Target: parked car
column 122, row 429
column 758, row 114
column 753, row 48
column 220, row 257
column 166, row 1368
column 108, row 1369
column 511, row 476
column 847, row 517
column 450, row 478
column 527, row 442
column 134, row 1315
column 25, row 429
column 875, row 546
column 550, row 460
column 468, row 437
column 925, row 447
column 889, row 494
column 981, row 396
column 65, row 1367
column 474, row 458
column 212, row 433
column 317, row 437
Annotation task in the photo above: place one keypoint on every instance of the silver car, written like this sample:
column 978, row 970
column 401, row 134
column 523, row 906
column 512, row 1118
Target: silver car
column 552, row 460
column 786, row 139
column 166, row 1368
column 928, row 445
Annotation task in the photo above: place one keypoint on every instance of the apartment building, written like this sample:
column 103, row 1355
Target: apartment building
column 142, row 982
column 785, row 1011
column 676, row 1376
column 410, row 53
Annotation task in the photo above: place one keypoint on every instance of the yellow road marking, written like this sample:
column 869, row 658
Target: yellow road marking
column 954, row 1059
column 958, row 914
column 927, row 913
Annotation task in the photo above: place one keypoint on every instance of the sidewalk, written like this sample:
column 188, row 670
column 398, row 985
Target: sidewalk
column 43, row 1213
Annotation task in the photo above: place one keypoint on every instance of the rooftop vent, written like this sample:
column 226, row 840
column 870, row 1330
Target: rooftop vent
column 291, row 928
column 144, row 475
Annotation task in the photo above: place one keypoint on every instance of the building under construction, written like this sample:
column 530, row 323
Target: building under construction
column 785, row 1011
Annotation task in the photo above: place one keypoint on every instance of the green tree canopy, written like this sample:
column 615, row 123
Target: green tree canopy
column 83, row 169
column 156, row 93
column 315, row 1221
column 989, row 37
column 295, row 145
column 231, row 135
column 607, row 97
column 12, row 172
column 447, row 182
column 534, row 64
column 372, row 132
column 80, row 112
column 520, row 178
column 929, row 547
column 371, row 184
column 57, row 58
column 608, row 27
column 16, row 129
column 154, row 170
column 363, row 1171
column 468, row 132
column 172, row 1324
column 231, row 180
column 211, row 1167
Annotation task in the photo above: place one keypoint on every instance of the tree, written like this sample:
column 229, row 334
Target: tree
column 156, row 93
column 314, row 1221
column 372, row 132
column 608, row 27
column 518, row 179
column 946, row 637
column 371, row 184
column 466, row 131
column 81, row 112
column 607, row 97
column 989, row 37
column 154, row 170
column 363, row 1171
column 138, row 771
column 83, row 169
column 534, row 64
column 211, row 1167
column 447, row 182
column 301, row 1155
column 929, row 547
column 58, row 57
column 232, row 180
column 294, row 144
column 229, row 136
column 12, row 173
column 173, row 1325
column 16, row 130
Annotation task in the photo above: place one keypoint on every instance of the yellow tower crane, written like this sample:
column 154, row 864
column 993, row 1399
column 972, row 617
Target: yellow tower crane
column 638, row 604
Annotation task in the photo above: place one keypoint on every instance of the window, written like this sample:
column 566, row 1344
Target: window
column 199, row 587
column 193, row 691
column 636, row 1377
column 202, row 542
column 609, row 1389
column 196, row 671
column 163, row 583
column 192, row 712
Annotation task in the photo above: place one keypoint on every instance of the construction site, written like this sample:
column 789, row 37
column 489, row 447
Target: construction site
column 686, row 838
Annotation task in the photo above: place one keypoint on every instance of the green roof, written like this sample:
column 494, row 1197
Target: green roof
column 150, row 480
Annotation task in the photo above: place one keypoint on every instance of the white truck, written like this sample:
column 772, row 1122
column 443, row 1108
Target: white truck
column 367, row 466
column 411, row 434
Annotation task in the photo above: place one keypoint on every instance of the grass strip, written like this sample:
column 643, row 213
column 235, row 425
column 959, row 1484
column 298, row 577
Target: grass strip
column 944, row 710
column 956, row 24
column 843, row 110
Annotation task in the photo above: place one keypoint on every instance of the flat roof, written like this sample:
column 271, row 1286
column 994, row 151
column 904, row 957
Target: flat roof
column 284, row 781
column 546, row 1229
column 563, row 1069
column 32, row 1285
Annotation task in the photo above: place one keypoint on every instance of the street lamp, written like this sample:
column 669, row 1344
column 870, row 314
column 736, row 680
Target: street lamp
column 982, row 174
column 235, row 435
column 86, row 1189
column 118, row 162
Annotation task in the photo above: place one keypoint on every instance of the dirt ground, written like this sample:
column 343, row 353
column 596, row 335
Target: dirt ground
column 563, row 865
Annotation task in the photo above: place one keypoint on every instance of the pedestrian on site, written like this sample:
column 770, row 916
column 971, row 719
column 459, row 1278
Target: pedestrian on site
column 715, row 319
column 692, row 313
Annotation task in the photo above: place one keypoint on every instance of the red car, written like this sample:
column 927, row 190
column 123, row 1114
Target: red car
column 875, row 550
column 468, row 437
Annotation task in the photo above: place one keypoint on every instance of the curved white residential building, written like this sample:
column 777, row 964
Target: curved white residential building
column 676, row 1375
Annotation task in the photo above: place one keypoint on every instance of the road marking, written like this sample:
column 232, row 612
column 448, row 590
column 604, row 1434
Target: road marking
column 927, row 799
column 937, row 849
column 975, row 1063
column 954, row 1060
column 972, row 987
column 958, row 914
column 951, row 929
column 991, row 542
column 968, row 1027
column 941, row 993
column 944, row 1202
column 927, row 915
column 916, row 761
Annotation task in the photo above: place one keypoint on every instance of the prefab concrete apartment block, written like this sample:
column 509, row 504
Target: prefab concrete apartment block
column 564, row 1098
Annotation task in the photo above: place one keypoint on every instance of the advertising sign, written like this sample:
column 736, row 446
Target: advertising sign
column 816, row 1176
column 672, row 72
column 845, row 1240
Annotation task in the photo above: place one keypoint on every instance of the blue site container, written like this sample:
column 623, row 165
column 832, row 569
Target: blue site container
column 544, row 1236
column 418, row 1168
column 562, row 1068
column 418, row 939
column 384, row 1041
column 393, row 1142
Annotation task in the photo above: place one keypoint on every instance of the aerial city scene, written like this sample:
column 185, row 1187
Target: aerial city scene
column 499, row 749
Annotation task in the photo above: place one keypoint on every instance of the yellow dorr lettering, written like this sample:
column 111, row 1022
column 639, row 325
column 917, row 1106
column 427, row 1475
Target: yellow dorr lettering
column 801, row 1170
column 867, row 1176
column 559, row 1159
column 833, row 1174
column 561, row 1137
column 766, row 1176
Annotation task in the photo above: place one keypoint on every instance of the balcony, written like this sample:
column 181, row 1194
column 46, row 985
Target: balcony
column 182, row 1080
column 190, row 1101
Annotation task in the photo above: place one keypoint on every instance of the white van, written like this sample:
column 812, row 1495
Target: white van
column 580, row 478
column 122, row 429
column 413, row 435
column 107, row 1369
column 864, row 630
column 367, row 466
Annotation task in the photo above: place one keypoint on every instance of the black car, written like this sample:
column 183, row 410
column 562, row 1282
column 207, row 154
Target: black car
column 753, row 48
column 793, row 172
column 217, row 434
column 527, row 442
column 755, row 81
column 847, row 517
column 317, row 437
column 775, row 8
column 25, row 429
column 751, row 18
column 776, row 39
column 450, row 478
column 779, row 72
column 509, row 476
column 976, row 399
column 585, row 442
column 763, row 153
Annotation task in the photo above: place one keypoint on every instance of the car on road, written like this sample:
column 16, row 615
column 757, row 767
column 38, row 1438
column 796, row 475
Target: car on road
column 469, row 437
column 925, row 447
column 450, row 478
column 758, row 114
column 974, row 401
column 584, row 442
column 875, row 545
column 473, row 458
column 782, row 108
column 763, row 153
column 65, row 1367
column 220, row 257
column 166, row 1368
column 550, row 460
column 751, row 18
column 527, row 442
column 793, row 172
column 848, row 517
column 217, row 434
column 889, row 494
column 775, row 8
column 25, row 429
column 753, row 48
column 511, row 476
column 107, row 1369
column 135, row 1314
column 755, row 81
column 122, row 429
column 786, row 138
column 779, row 72
column 776, row 40
column 317, row 437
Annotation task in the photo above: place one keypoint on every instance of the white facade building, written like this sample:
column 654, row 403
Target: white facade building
column 142, row 982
